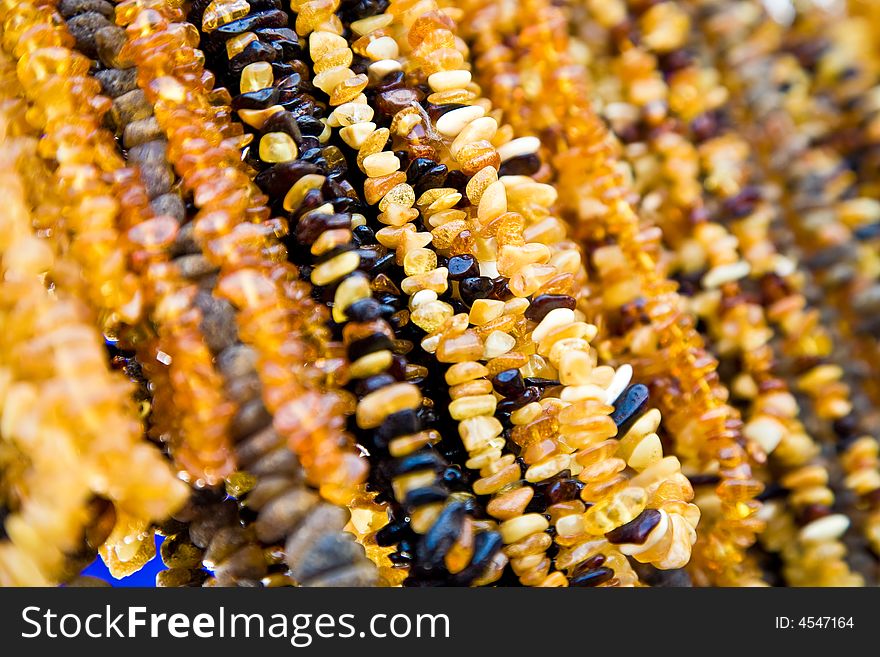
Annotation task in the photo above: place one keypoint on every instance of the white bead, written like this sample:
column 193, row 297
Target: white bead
column 621, row 380
column 498, row 344
column 718, row 276
column 825, row 529
column 422, row 296
column 452, row 123
column 378, row 70
column 382, row 48
column 517, row 147
column 489, row 268
column 766, row 431
column 449, row 80
column 355, row 135
column 350, row 114
column 554, row 319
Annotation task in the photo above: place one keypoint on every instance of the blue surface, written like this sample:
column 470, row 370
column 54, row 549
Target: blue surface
column 146, row 576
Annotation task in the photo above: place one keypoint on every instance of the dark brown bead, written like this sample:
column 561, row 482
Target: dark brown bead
column 636, row 531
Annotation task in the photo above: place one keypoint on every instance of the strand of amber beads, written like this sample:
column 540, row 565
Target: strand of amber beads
column 176, row 356
column 84, row 467
column 583, row 158
column 275, row 314
column 690, row 166
column 67, row 107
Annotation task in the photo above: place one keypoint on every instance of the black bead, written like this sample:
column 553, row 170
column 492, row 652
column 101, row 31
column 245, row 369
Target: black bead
column 373, row 383
column 476, row 287
column 309, row 125
column 255, row 21
column 368, row 345
column 282, row 38
column 509, row 383
column 256, row 100
column 592, row 577
column 278, row 179
column 364, row 310
column 425, row 495
column 486, row 546
column 424, row 459
column 392, row 533
column 544, row 303
column 283, row 122
column 364, row 235
column 521, row 165
column 255, row 51
column 628, row 407
column 398, row 424
column 310, row 226
column 527, row 396
column 442, row 535
column 463, row 266
column 635, row 531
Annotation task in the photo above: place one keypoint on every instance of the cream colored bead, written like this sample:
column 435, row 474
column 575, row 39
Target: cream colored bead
column 573, row 394
column 518, row 528
column 449, row 80
column 571, row 525
column 257, row 76
column 483, row 128
column 484, row 311
column 477, row 432
column 422, row 296
column 493, row 203
column 381, row 164
column 718, row 276
column 489, row 268
column 765, row 430
column 328, row 80
column 548, row 468
column 378, row 70
column 621, row 380
column 355, row 135
column 575, row 367
column 452, row 123
column 468, row 407
column 518, row 147
column 498, row 344
column 382, row 48
column 648, row 451
column 321, row 42
column 335, row 268
column 364, row 26
column 828, row 528
column 646, row 424
column 556, row 318
column 277, row 147
column 350, row 114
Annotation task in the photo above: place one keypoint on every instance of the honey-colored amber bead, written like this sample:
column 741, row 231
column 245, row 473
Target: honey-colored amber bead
column 376, row 406
column 277, row 147
column 220, row 12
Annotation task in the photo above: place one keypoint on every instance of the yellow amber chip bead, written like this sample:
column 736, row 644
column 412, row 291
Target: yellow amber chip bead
column 221, row 12
column 278, row 147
